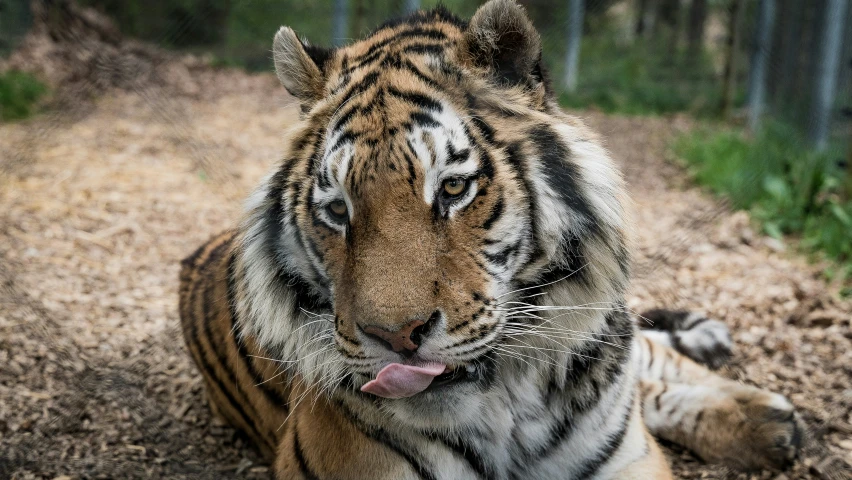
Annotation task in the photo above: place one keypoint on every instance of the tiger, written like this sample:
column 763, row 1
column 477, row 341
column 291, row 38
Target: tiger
column 431, row 284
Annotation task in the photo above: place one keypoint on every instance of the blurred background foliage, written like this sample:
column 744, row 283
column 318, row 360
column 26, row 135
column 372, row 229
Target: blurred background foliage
column 19, row 94
column 769, row 81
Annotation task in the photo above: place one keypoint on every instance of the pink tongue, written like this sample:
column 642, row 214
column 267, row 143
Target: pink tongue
column 398, row 381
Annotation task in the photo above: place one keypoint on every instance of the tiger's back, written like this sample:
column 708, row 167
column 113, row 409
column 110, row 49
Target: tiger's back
column 243, row 388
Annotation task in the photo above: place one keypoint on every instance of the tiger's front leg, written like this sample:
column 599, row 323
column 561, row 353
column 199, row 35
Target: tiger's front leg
column 719, row 419
column 320, row 441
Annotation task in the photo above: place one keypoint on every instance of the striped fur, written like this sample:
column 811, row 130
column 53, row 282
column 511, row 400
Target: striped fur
column 518, row 280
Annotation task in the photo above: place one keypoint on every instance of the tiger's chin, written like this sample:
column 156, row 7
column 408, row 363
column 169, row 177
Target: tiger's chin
column 444, row 406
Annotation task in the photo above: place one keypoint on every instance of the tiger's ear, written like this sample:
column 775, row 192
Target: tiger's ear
column 503, row 40
column 299, row 67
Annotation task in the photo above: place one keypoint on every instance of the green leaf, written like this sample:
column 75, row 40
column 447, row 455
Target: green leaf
column 841, row 214
column 776, row 187
column 773, row 230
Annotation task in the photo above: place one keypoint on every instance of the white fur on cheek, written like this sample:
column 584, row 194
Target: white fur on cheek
column 267, row 308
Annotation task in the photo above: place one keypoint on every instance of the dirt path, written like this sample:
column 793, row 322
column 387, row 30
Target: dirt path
column 96, row 212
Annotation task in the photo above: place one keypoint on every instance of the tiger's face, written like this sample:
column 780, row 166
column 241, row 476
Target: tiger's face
column 430, row 182
column 422, row 231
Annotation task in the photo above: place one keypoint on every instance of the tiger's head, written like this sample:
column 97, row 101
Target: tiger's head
column 434, row 205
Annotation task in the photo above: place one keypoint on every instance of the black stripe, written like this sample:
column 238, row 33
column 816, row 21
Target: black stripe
column 591, row 466
column 323, row 181
column 486, row 130
column 311, row 247
column 558, row 433
column 424, row 48
column 220, row 347
column 481, row 265
column 204, row 353
column 313, row 161
column 466, row 451
column 304, row 468
column 451, row 71
column 344, row 117
column 418, row 99
column 456, row 156
column 496, row 213
column 566, row 427
column 303, row 140
column 562, row 175
column 360, row 86
column 695, row 323
column 595, row 362
column 272, row 395
column 406, row 65
column 664, row 320
column 424, row 120
column 304, row 293
column 364, row 60
column 346, row 137
column 515, row 158
column 409, row 158
column 190, row 260
column 379, row 435
column 397, row 37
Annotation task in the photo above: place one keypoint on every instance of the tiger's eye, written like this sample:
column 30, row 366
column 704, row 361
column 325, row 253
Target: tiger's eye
column 454, row 187
column 337, row 209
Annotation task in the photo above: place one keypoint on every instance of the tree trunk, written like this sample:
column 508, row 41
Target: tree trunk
column 669, row 16
column 759, row 61
column 848, row 192
column 646, row 17
column 789, row 32
column 641, row 7
column 669, row 11
column 341, row 23
column 831, row 47
column 575, row 33
column 729, row 86
column 695, row 33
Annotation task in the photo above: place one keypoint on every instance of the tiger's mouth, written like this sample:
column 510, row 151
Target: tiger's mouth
column 397, row 380
column 458, row 373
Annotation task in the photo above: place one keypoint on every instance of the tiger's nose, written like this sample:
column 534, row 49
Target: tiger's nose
column 404, row 340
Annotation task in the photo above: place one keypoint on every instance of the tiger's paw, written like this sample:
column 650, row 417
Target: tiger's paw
column 693, row 334
column 706, row 341
column 762, row 428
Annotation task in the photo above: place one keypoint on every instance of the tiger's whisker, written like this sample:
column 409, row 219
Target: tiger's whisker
column 544, row 284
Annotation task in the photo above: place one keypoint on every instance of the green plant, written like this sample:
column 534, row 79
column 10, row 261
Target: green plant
column 19, row 94
column 790, row 189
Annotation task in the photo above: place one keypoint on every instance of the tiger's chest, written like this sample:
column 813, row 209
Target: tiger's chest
column 525, row 431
